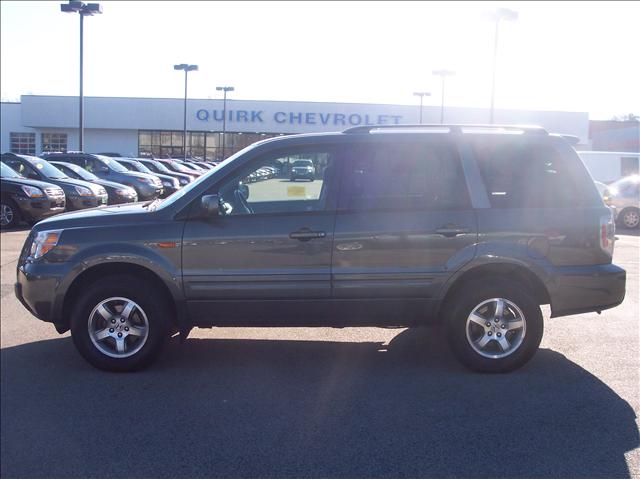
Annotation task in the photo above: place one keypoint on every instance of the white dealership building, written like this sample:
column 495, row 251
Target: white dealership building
column 137, row 126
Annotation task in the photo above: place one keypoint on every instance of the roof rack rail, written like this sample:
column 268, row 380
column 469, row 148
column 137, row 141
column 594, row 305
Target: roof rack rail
column 453, row 128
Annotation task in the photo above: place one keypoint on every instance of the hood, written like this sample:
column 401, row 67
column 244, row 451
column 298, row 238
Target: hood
column 69, row 183
column 137, row 174
column 102, row 216
column 25, row 181
column 109, row 184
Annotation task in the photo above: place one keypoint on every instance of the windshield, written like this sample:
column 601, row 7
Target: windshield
column 157, row 166
column 6, row 172
column 82, row 173
column 113, row 164
column 48, row 170
column 183, row 191
column 140, row 167
column 181, row 167
column 303, row 163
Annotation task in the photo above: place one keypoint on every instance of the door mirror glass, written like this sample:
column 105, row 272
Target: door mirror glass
column 244, row 191
column 210, row 206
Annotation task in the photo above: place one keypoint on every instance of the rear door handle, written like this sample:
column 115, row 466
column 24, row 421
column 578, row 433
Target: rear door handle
column 306, row 234
column 452, row 232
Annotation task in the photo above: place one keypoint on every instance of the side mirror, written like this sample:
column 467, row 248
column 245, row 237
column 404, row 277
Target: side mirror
column 210, row 205
column 244, row 191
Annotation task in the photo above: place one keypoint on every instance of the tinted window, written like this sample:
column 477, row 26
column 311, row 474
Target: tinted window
column 525, row 174
column 404, row 177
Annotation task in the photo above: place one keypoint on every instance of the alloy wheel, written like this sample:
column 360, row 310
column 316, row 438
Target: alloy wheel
column 6, row 215
column 496, row 328
column 631, row 218
column 118, row 327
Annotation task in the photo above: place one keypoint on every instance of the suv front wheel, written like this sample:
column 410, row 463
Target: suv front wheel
column 494, row 325
column 119, row 323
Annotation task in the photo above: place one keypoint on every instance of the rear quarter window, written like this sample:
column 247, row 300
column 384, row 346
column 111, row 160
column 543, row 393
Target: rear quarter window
column 521, row 173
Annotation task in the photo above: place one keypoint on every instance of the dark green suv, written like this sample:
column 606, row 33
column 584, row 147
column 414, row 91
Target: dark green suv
column 473, row 226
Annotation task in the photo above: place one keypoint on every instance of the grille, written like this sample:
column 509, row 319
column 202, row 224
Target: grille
column 54, row 191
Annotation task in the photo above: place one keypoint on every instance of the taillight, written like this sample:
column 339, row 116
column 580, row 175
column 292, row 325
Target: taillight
column 607, row 233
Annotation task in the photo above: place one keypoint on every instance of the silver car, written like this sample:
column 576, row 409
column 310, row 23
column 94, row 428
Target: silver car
column 624, row 194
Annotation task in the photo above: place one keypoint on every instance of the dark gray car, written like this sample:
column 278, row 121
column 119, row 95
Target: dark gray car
column 476, row 228
column 148, row 187
column 169, row 184
column 79, row 194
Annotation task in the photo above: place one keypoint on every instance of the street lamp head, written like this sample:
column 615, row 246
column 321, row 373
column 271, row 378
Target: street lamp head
column 225, row 88
column 422, row 93
column 186, row 67
column 86, row 9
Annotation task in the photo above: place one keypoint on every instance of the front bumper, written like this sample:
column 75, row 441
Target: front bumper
column 146, row 192
column 36, row 209
column 37, row 294
column 583, row 289
column 82, row 202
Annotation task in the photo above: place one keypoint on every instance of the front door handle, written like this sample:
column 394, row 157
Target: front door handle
column 451, row 232
column 305, row 234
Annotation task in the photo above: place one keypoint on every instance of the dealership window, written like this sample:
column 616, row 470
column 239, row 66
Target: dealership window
column 54, row 142
column 200, row 144
column 23, row 143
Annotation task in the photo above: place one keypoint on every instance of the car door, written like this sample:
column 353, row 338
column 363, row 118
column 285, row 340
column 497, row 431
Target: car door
column 267, row 257
column 404, row 223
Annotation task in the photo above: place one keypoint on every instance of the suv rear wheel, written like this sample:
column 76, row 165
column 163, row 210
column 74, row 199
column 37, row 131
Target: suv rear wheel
column 119, row 323
column 494, row 325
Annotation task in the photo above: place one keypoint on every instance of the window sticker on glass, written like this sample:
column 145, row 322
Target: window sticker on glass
column 39, row 166
column 297, row 191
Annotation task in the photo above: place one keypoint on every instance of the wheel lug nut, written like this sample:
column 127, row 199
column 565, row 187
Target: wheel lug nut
column 503, row 325
column 126, row 328
column 488, row 324
column 111, row 330
column 497, row 320
column 122, row 320
column 499, row 334
column 119, row 335
column 489, row 333
column 113, row 320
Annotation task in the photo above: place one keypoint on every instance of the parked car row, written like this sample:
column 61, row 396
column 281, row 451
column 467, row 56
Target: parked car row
column 623, row 197
column 34, row 188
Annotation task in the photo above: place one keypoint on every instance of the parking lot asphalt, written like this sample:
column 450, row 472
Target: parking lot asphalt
column 298, row 402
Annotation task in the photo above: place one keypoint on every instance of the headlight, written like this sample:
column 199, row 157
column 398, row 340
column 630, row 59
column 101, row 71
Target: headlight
column 82, row 191
column 32, row 191
column 184, row 181
column 168, row 183
column 148, row 181
column 44, row 242
column 102, row 191
column 126, row 192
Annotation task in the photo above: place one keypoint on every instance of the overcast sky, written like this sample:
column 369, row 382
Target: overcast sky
column 566, row 56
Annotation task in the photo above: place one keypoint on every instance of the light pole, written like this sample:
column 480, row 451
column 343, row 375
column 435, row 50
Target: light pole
column 421, row 94
column 499, row 14
column 224, row 89
column 443, row 74
column 83, row 9
column 187, row 68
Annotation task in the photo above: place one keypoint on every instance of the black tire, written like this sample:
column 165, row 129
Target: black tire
column 136, row 289
column 15, row 213
column 473, row 294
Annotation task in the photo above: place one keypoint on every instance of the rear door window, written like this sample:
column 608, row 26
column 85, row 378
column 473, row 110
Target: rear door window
column 404, row 176
column 527, row 174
